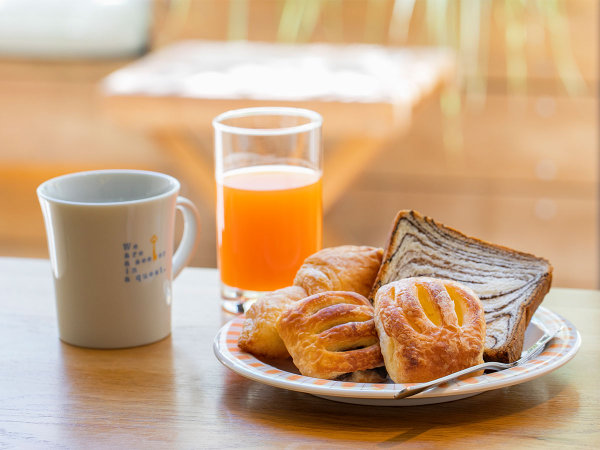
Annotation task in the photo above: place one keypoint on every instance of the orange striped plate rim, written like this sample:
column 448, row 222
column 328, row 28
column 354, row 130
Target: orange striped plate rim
column 566, row 342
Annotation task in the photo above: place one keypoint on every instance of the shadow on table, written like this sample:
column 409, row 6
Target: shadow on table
column 312, row 417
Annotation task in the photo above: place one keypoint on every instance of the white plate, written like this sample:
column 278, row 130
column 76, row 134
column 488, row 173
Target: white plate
column 284, row 375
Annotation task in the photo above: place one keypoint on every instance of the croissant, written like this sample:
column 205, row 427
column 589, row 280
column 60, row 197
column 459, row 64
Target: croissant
column 259, row 334
column 346, row 268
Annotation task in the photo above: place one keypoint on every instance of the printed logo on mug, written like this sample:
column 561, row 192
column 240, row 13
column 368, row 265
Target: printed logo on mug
column 110, row 238
column 140, row 267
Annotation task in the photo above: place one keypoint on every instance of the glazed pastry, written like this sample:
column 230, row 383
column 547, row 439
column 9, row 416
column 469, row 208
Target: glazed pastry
column 259, row 334
column 428, row 328
column 346, row 268
column 331, row 334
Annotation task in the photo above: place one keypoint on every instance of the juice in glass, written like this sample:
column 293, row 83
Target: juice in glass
column 269, row 220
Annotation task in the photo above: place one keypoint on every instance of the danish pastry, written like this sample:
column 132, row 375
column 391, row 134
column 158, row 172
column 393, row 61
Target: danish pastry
column 428, row 328
column 259, row 334
column 331, row 334
column 345, row 268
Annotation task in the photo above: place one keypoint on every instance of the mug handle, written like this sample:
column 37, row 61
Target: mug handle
column 191, row 231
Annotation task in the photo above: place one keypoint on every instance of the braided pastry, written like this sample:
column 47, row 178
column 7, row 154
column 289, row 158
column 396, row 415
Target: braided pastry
column 331, row 334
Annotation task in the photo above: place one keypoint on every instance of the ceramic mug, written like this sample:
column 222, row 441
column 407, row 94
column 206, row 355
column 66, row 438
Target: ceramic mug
column 110, row 238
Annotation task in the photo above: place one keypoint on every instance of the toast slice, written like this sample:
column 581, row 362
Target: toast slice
column 510, row 284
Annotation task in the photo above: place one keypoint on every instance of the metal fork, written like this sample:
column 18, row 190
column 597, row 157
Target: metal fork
column 531, row 353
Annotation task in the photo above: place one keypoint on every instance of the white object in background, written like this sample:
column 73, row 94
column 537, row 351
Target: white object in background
column 74, row 28
column 262, row 71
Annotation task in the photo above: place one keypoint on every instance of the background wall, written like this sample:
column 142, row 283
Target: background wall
column 509, row 154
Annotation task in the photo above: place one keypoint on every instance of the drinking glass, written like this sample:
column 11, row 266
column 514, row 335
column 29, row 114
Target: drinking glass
column 269, row 203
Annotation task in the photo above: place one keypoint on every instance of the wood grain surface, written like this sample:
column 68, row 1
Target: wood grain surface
column 175, row 394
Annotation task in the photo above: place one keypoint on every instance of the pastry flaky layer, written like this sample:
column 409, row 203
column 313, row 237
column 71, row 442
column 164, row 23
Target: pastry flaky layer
column 428, row 328
column 350, row 268
column 259, row 334
column 331, row 334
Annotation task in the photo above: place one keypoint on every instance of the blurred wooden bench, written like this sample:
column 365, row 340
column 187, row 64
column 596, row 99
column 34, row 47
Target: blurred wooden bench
column 366, row 95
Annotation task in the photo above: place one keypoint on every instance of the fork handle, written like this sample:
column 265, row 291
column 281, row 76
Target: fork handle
column 413, row 390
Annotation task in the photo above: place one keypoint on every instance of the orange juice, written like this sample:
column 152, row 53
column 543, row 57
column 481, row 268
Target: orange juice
column 269, row 220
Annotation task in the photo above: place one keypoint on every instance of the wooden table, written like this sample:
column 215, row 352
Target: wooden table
column 365, row 93
column 175, row 394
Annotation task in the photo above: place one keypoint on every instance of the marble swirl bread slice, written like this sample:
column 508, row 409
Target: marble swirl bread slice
column 510, row 284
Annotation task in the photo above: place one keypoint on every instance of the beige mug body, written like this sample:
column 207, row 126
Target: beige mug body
column 110, row 238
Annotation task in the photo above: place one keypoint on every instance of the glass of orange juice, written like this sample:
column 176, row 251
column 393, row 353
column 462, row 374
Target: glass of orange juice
column 269, row 207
